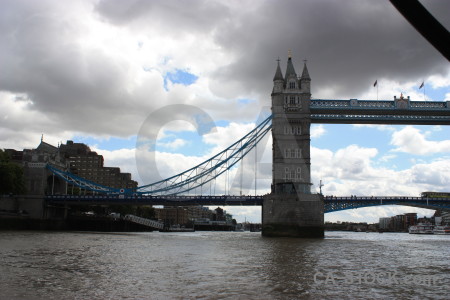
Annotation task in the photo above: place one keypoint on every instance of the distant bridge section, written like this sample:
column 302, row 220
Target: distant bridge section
column 331, row 203
column 399, row 111
column 342, row 203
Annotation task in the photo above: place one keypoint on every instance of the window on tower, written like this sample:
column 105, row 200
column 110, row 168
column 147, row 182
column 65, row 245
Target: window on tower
column 292, row 153
column 292, row 130
column 292, row 175
column 292, row 85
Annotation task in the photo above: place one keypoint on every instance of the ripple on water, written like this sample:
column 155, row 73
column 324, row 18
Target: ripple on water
column 217, row 265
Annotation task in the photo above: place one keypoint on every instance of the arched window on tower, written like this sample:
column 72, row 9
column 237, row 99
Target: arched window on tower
column 292, row 85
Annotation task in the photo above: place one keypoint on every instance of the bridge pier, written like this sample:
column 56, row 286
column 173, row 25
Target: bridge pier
column 293, row 216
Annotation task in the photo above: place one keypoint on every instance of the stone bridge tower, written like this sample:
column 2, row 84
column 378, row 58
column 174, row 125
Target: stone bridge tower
column 291, row 209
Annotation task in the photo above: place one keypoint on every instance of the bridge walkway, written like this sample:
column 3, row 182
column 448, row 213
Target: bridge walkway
column 144, row 221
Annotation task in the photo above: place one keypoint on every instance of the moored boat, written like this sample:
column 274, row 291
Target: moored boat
column 442, row 230
column 421, row 228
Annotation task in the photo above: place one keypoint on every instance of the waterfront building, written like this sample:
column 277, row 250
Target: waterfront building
column 182, row 215
column 399, row 222
column 38, row 179
column 410, row 220
column 445, row 215
column 441, row 217
column 176, row 215
column 199, row 212
column 76, row 158
column 403, row 222
column 384, row 223
column 89, row 165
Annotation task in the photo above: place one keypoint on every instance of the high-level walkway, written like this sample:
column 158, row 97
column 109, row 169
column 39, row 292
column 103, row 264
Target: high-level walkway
column 397, row 111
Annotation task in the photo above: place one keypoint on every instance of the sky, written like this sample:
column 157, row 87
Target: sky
column 114, row 73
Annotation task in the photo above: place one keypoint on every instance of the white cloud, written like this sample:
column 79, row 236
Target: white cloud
column 379, row 127
column 354, row 170
column 388, row 157
column 173, row 145
column 226, row 136
column 412, row 140
column 447, row 97
column 439, row 81
column 317, row 131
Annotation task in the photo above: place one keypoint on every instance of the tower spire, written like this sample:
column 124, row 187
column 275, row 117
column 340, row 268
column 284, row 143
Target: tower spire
column 305, row 73
column 290, row 71
column 278, row 74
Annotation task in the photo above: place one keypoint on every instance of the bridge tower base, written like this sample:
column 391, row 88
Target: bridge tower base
column 293, row 216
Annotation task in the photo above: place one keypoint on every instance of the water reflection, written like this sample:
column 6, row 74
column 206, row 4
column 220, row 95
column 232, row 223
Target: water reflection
column 214, row 265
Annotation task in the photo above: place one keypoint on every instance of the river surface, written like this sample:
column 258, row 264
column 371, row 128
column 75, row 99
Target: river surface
column 222, row 265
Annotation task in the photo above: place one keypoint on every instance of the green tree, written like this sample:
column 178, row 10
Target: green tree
column 11, row 176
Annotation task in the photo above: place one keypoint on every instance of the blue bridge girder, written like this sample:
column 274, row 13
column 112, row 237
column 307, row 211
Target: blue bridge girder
column 155, row 200
column 331, row 203
column 399, row 111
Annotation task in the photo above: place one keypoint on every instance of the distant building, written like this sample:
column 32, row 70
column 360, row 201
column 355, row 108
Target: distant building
column 177, row 215
column 399, row 222
column 199, row 212
column 89, row 165
column 410, row 220
column 76, row 158
column 38, row 179
column 384, row 223
column 442, row 217
column 182, row 215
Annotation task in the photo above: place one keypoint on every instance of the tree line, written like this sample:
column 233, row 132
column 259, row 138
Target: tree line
column 11, row 176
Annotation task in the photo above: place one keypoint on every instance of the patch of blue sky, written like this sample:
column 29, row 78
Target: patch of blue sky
column 180, row 77
column 342, row 136
column 222, row 123
column 245, row 101
column 192, row 144
column 110, row 144
column 435, row 94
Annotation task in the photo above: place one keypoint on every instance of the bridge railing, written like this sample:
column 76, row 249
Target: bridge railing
column 377, row 104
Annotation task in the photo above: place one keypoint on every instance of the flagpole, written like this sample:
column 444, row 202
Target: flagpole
column 423, row 86
column 375, row 84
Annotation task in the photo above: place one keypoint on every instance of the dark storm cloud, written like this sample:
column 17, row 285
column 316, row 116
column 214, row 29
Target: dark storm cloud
column 348, row 45
column 40, row 56
column 197, row 16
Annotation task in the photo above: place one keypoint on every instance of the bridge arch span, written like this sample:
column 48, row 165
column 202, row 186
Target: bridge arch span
column 332, row 204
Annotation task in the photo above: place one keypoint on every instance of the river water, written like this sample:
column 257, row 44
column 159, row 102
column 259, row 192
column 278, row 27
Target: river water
column 222, row 265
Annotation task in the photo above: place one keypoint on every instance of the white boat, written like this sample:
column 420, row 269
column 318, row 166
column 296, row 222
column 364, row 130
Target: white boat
column 421, row 228
column 442, row 229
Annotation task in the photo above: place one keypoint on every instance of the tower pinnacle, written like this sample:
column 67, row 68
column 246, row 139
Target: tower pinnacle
column 278, row 74
column 305, row 73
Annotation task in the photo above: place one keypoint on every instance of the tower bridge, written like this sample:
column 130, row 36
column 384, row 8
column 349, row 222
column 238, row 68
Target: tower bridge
column 290, row 209
column 331, row 203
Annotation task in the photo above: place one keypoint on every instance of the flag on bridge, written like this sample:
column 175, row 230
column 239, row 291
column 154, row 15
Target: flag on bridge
column 375, row 84
column 421, row 86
